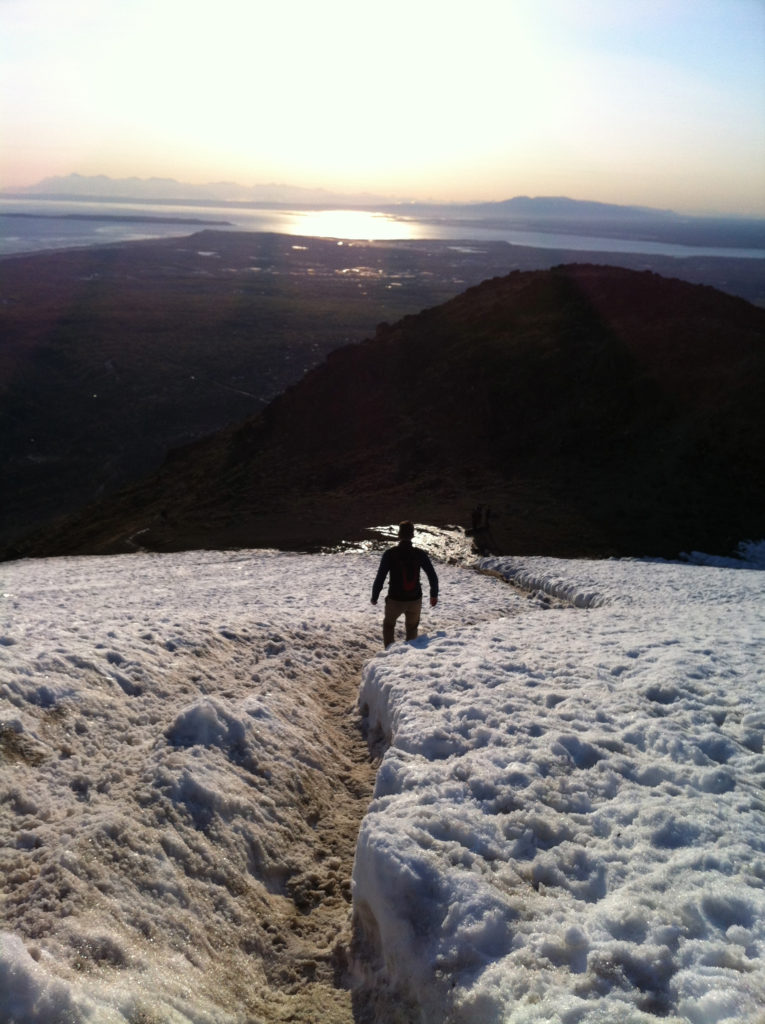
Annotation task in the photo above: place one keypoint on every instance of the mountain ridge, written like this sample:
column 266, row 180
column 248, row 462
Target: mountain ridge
column 162, row 188
column 159, row 189
column 595, row 411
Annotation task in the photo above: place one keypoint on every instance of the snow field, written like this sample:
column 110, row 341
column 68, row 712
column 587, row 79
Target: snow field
column 182, row 780
column 568, row 822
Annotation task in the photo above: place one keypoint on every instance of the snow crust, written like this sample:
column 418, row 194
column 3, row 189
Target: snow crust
column 166, row 770
column 569, row 821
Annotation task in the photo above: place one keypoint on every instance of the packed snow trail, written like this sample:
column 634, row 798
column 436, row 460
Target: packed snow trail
column 182, row 780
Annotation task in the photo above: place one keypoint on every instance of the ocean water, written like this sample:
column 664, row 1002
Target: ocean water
column 28, row 225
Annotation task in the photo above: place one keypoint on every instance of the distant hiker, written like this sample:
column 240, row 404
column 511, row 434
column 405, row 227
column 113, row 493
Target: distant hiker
column 483, row 542
column 403, row 563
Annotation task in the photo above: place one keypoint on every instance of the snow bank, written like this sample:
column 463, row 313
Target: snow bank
column 169, row 774
column 568, row 823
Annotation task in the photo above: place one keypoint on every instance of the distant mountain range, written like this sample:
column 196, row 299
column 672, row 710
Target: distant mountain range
column 99, row 186
column 556, row 207
column 593, row 410
column 542, row 213
column 168, row 189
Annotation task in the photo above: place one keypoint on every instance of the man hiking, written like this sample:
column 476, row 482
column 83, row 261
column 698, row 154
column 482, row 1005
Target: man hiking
column 403, row 563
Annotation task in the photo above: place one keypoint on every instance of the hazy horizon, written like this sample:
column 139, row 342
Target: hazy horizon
column 161, row 189
column 657, row 104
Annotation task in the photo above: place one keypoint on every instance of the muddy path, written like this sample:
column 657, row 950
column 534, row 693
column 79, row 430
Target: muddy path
column 307, row 964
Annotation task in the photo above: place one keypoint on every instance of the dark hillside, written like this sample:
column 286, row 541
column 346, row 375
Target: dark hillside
column 595, row 410
column 113, row 355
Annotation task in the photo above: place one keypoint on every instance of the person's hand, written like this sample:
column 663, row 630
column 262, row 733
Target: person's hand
column 433, row 602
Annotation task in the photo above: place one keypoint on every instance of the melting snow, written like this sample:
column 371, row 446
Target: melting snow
column 568, row 820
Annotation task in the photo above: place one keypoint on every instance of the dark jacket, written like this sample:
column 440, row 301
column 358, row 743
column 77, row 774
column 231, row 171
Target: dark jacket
column 403, row 563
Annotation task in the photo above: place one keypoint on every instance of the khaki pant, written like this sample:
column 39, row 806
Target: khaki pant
column 411, row 612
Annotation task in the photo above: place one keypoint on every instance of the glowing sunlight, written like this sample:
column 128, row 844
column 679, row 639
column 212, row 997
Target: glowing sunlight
column 356, row 224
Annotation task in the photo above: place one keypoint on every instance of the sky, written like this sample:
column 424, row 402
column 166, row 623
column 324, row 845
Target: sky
column 567, row 820
column 657, row 102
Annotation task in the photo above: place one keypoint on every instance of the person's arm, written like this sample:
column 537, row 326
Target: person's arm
column 430, row 572
column 382, row 572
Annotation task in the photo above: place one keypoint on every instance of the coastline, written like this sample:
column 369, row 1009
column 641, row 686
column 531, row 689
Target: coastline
column 687, row 239
column 129, row 217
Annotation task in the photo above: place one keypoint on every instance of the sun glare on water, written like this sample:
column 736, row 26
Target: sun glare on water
column 357, row 224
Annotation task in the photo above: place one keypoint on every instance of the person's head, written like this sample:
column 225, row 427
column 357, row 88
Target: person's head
column 405, row 530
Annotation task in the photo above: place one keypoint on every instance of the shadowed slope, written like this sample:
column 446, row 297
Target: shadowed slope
column 595, row 410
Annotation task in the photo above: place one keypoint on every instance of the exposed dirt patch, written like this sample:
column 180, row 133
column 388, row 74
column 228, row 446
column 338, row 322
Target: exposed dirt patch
column 14, row 747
